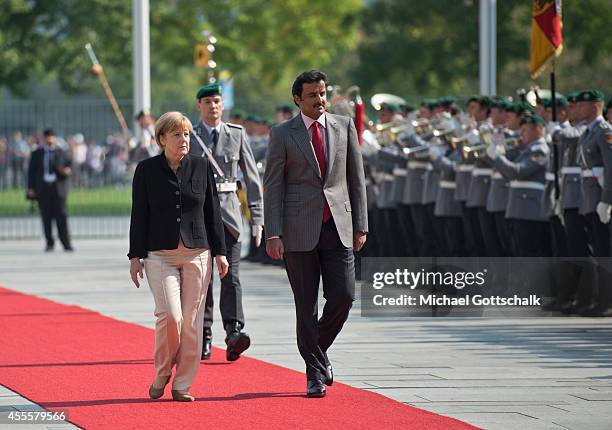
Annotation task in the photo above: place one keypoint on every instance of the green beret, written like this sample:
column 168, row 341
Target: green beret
column 501, row 103
column 609, row 104
column 390, row 107
column 571, row 97
column 525, row 107
column 237, row 113
column 209, row 90
column 561, row 101
column 407, row 107
column 446, row 101
column 485, row 101
column 590, row 96
column 472, row 99
column 533, row 119
column 251, row 117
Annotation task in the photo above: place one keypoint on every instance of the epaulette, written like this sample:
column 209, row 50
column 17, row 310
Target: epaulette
column 229, row 124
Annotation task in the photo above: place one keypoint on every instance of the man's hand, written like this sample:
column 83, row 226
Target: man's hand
column 31, row 194
column 222, row 265
column 603, row 210
column 494, row 151
column 65, row 170
column 257, row 232
column 136, row 271
column 275, row 248
column 359, row 239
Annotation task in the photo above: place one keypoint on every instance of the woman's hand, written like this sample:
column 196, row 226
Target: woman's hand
column 222, row 265
column 136, row 270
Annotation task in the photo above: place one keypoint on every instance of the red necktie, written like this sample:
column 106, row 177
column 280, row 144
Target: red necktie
column 317, row 144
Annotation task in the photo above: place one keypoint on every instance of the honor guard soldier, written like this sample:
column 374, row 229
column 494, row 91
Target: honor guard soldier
column 227, row 146
column 572, row 297
column 527, row 178
column 552, row 204
column 595, row 157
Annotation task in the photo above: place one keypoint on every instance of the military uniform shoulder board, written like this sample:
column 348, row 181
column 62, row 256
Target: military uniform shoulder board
column 229, row 124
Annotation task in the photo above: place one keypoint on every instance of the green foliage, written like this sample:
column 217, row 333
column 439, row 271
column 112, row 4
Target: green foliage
column 82, row 201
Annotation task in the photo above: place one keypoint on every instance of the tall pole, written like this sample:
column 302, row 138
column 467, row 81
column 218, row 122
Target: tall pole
column 488, row 47
column 141, row 59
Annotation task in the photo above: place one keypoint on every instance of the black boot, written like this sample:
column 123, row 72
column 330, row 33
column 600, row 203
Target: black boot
column 236, row 341
column 207, row 344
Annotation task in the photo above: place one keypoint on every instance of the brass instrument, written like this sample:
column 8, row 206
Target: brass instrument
column 478, row 150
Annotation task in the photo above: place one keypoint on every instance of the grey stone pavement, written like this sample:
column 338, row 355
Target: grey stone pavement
column 553, row 373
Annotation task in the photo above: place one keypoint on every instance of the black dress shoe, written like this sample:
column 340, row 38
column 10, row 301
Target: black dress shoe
column 329, row 375
column 315, row 388
column 598, row 311
column 207, row 345
column 237, row 342
column 49, row 248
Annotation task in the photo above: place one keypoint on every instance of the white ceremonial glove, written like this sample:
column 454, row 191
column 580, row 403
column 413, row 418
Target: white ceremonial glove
column 551, row 127
column 257, row 231
column 435, row 152
column 603, row 210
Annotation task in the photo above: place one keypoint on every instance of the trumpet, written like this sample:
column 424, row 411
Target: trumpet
column 478, row 149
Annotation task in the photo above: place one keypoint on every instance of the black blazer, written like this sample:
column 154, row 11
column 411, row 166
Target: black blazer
column 36, row 172
column 165, row 205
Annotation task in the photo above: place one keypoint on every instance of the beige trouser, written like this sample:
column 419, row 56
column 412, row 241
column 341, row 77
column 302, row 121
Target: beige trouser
column 178, row 279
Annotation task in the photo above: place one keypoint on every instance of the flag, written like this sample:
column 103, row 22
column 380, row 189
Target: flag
column 546, row 37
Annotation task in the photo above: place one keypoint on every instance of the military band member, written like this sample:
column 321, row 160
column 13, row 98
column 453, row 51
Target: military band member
column 497, row 198
column 227, row 146
column 527, row 178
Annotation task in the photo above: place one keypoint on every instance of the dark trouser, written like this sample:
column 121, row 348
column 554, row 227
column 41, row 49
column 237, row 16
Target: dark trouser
column 409, row 242
column 335, row 264
column 52, row 206
column 598, row 235
column 473, row 233
column 503, row 233
column 454, row 237
column 558, row 238
column 433, row 231
column 575, row 229
column 231, row 290
column 380, row 230
column 492, row 243
column 599, row 239
column 530, row 237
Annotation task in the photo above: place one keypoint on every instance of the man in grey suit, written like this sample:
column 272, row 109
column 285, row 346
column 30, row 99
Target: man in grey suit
column 228, row 148
column 316, row 216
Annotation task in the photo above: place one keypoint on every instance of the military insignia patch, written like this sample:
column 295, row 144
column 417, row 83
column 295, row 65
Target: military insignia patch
column 609, row 138
column 537, row 157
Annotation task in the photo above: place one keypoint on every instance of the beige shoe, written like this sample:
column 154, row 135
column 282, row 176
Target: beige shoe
column 156, row 393
column 182, row 396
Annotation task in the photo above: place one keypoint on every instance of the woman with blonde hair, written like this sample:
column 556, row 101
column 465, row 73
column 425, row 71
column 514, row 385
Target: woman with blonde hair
column 176, row 229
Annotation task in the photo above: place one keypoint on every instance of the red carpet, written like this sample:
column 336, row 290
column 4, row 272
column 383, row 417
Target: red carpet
column 99, row 369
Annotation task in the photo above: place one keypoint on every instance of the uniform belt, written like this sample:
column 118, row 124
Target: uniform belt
column 448, row 184
column 550, row 176
column 497, row 175
column 596, row 172
column 527, row 184
column 479, row 171
column 368, row 182
column 399, row 172
column 227, row 187
column 465, row 167
column 571, row 170
column 419, row 165
column 388, row 177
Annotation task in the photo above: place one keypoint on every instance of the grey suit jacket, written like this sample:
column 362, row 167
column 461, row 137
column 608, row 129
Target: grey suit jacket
column 233, row 150
column 295, row 192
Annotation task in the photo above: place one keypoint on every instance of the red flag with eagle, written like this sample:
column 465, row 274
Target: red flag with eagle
column 546, row 37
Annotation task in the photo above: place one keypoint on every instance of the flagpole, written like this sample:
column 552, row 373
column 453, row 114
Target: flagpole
column 555, row 148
